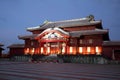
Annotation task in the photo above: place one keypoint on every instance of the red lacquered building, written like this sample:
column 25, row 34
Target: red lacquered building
column 84, row 36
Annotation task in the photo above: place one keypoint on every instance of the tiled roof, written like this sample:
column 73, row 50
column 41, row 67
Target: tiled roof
column 72, row 33
column 66, row 23
column 111, row 43
column 32, row 36
column 87, row 32
column 16, row 46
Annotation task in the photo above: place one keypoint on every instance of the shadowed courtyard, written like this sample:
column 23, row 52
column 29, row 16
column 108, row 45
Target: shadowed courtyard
column 58, row 71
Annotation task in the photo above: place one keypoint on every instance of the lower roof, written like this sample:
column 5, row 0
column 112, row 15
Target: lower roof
column 31, row 36
column 73, row 34
column 16, row 46
column 87, row 32
column 111, row 43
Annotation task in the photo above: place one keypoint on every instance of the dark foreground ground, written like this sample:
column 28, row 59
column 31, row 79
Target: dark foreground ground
column 57, row 71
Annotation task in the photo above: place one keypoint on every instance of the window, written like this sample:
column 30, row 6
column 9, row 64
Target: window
column 48, row 49
column 63, row 44
column 90, row 41
column 88, row 50
column 81, row 41
column 80, row 50
column 63, row 49
column 32, row 51
column 71, row 41
column 71, row 49
column 41, row 49
column 27, row 50
column 98, row 50
column 32, row 43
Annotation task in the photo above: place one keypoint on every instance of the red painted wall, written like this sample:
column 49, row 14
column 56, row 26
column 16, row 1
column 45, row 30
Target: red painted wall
column 16, row 51
column 31, row 43
column 108, row 51
column 79, row 28
column 96, row 40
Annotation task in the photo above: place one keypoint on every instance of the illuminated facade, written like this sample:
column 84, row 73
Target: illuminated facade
column 78, row 36
column 84, row 36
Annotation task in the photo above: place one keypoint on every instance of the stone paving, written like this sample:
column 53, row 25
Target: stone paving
column 58, row 71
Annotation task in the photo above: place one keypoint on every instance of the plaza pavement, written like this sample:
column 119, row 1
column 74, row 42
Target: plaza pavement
column 57, row 71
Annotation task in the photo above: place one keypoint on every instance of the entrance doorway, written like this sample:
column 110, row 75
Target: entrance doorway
column 53, row 47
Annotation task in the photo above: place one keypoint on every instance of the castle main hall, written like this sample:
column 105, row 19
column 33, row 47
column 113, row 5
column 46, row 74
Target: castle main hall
column 84, row 36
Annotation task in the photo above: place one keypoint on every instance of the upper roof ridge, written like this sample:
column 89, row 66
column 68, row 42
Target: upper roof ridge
column 89, row 20
column 79, row 19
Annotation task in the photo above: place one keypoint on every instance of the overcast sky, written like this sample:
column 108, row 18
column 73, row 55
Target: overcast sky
column 17, row 15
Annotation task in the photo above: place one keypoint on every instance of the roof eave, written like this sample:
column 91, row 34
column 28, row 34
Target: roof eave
column 111, row 43
column 88, row 32
column 16, row 46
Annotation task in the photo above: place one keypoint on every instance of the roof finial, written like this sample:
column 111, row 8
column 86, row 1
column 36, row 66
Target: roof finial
column 46, row 21
column 91, row 17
